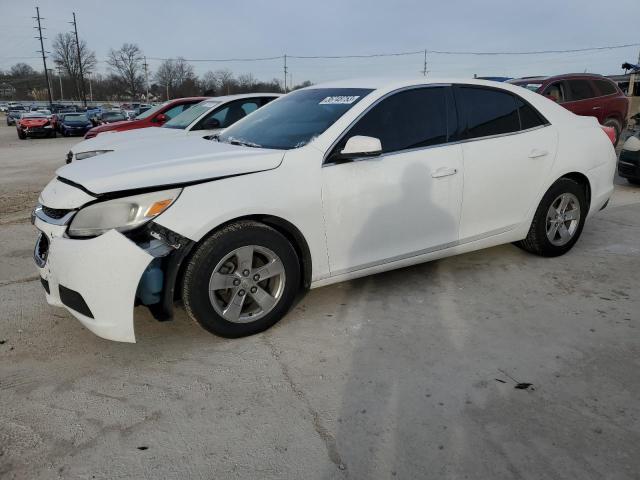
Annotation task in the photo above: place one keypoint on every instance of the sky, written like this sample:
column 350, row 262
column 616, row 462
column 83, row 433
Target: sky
column 198, row 29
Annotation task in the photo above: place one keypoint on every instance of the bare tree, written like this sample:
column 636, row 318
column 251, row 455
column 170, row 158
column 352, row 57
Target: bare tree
column 176, row 76
column 22, row 70
column 65, row 56
column 126, row 64
column 246, row 81
column 225, row 81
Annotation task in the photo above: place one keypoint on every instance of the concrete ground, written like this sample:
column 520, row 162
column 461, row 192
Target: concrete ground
column 408, row 374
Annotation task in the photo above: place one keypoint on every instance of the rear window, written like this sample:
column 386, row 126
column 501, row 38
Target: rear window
column 580, row 89
column 605, row 87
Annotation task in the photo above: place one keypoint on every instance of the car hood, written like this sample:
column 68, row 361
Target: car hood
column 114, row 125
column 34, row 122
column 173, row 161
column 126, row 139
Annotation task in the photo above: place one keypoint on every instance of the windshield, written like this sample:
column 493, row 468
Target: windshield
column 34, row 115
column 187, row 117
column 294, row 120
column 75, row 118
column 151, row 111
column 530, row 86
column 113, row 116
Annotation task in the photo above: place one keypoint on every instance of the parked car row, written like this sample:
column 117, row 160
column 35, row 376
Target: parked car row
column 324, row 184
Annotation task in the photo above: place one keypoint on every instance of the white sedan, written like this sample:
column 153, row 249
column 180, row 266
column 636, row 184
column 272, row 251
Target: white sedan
column 325, row 184
column 205, row 118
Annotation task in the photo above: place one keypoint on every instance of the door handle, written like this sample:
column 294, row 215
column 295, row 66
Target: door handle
column 444, row 172
column 596, row 108
column 535, row 153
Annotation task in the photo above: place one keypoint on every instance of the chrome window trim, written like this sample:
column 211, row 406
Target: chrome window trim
column 439, row 145
column 369, row 108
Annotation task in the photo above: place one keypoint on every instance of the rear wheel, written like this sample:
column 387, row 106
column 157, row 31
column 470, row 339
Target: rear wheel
column 52, row 134
column 633, row 181
column 558, row 221
column 616, row 125
column 241, row 280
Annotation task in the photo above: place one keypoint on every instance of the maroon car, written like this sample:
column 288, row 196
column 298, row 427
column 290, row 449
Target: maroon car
column 155, row 117
column 584, row 94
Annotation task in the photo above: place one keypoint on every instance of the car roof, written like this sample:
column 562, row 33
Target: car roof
column 564, row 76
column 391, row 83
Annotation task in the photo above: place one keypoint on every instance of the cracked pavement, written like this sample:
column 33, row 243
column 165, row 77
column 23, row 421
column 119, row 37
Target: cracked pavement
column 407, row 374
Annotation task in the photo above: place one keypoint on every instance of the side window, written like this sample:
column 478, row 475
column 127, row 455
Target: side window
column 605, row 87
column 556, row 92
column 227, row 115
column 580, row 89
column 408, row 119
column 529, row 116
column 487, row 112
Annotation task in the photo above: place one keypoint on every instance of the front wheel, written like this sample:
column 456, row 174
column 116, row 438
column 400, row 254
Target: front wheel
column 241, row 280
column 558, row 221
column 22, row 135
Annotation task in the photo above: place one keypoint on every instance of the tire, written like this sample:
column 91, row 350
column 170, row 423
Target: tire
column 216, row 255
column 616, row 125
column 21, row 135
column 538, row 241
column 53, row 134
column 633, row 181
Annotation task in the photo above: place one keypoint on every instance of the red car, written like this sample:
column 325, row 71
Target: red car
column 34, row 124
column 154, row 117
column 584, row 94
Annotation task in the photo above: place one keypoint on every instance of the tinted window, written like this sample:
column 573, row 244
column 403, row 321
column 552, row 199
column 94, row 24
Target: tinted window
column 409, row 119
column 487, row 112
column 580, row 89
column 605, row 87
column 529, row 117
column 172, row 112
column 295, row 119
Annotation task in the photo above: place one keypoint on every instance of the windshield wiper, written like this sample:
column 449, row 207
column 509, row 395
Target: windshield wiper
column 243, row 143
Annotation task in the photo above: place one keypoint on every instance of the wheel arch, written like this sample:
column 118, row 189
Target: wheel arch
column 582, row 180
column 284, row 227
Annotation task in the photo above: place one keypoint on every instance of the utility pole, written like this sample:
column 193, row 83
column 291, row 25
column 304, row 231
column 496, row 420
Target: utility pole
column 60, row 78
column 50, row 80
column 424, row 68
column 146, row 78
column 75, row 29
column 632, row 80
column 285, row 73
column 44, row 57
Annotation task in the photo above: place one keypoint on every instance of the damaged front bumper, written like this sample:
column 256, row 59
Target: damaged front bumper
column 99, row 280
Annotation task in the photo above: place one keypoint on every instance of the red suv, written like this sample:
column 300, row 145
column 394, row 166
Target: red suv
column 584, row 94
column 154, row 117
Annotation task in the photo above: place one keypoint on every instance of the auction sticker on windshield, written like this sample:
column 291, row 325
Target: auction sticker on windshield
column 340, row 100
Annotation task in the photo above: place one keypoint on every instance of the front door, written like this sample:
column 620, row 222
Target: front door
column 407, row 200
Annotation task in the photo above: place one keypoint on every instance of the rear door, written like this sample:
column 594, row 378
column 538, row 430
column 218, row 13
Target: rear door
column 508, row 149
column 582, row 98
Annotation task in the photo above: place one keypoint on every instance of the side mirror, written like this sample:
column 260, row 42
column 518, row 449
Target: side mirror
column 161, row 118
column 359, row 146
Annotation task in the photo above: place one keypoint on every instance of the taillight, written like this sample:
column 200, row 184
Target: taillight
column 611, row 133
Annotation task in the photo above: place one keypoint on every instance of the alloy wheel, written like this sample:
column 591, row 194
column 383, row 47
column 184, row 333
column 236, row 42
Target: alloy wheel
column 563, row 219
column 247, row 284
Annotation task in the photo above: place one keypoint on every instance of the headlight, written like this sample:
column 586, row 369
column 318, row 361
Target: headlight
column 122, row 214
column 92, row 153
